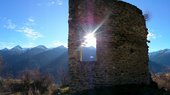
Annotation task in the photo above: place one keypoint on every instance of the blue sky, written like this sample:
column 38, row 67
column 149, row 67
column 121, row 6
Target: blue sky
column 30, row 23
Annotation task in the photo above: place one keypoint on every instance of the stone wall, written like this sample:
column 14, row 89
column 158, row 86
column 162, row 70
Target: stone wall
column 122, row 51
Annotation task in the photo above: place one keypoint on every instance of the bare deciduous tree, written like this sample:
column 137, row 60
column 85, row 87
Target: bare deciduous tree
column 147, row 16
column 63, row 75
column 35, row 82
column 1, row 63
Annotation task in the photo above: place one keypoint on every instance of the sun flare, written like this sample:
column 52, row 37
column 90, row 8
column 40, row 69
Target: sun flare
column 89, row 40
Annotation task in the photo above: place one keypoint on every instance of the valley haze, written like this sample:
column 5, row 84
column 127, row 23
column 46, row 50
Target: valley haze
column 54, row 61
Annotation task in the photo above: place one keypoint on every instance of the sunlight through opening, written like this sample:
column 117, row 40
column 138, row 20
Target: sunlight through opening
column 89, row 40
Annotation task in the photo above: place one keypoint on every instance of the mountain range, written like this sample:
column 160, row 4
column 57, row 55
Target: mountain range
column 54, row 61
column 51, row 61
column 159, row 61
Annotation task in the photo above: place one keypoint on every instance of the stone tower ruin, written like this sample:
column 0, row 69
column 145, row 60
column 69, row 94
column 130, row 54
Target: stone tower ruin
column 121, row 51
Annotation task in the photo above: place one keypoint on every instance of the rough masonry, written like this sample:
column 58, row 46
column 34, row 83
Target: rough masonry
column 122, row 51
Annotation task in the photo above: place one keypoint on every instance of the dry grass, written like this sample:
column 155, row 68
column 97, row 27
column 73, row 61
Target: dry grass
column 163, row 80
column 28, row 85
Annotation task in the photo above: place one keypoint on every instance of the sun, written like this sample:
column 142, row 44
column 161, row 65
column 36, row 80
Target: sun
column 89, row 40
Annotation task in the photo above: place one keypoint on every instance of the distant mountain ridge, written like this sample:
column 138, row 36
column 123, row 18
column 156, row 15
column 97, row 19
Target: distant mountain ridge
column 48, row 60
column 19, row 59
column 55, row 60
column 160, row 61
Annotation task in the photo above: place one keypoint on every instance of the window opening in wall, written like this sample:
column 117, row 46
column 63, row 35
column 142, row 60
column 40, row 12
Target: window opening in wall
column 88, row 48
